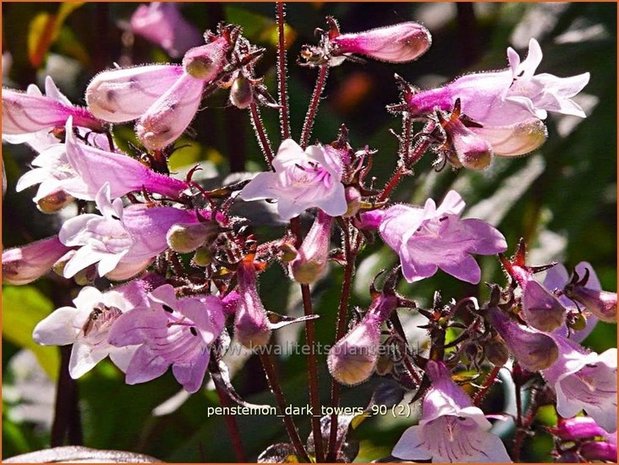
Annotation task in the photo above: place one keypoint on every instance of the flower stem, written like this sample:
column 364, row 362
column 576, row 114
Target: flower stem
column 291, row 429
column 284, row 119
column 409, row 158
column 342, row 313
column 67, row 423
column 310, row 117
column 488, row 383
column 231, row 424
column 312, row 371
column 261, row 134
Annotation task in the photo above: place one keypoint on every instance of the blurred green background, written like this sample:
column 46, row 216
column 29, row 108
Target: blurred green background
column 561, row 199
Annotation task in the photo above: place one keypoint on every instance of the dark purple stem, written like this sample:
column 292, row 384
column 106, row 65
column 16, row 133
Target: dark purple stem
column 67, row 423
column 284, row 118
column 261, row 134
column 312, row 110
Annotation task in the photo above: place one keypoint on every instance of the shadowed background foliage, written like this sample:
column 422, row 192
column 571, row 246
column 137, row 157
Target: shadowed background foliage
column 561, row 199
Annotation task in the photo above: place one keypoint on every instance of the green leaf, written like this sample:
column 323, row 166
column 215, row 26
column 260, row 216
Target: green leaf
column 23, row 307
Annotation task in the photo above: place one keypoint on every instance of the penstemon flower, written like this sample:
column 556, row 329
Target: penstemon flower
column 132, row 236
column 163, row 24
column 311, row 261
column 25, row 115
column 88, row 323
column 504, row 98
column 451, row 428
column 22, row 265
column 170, row 332
column 432, row 237
column 303, row 179
column 584, row 380
column 75, row 168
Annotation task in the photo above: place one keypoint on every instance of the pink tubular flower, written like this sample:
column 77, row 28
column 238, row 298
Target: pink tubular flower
column 251, row 325
column 353, row 358
column 504, row 98
column 585, row 380
column 585, row 289
column 26, row 114
column 555, row 281
column 165, row 98
column 302, row 180
column 122, row 95
column 451, row 429
column 431, row 237
column 398, row 43
column 130, row 236
column 170, row 332
column 163, row 24
column 577, row 428
column 311, row 261
column 87, row 324
column 22, row 265
column 534, row 350
column 75, row 169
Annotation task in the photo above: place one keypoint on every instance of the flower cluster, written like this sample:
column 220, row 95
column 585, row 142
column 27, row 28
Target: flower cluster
column 183, row 272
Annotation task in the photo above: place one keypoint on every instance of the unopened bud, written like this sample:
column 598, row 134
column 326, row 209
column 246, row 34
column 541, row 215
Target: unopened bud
column 353, row 358
column 534, row 350
column 496, row 352
column 541, row 309
column 251, row 325
column 576, row 428
column 203, row 257
column 353, row 200
column 600, row 450
column 185, row 238
column 602, row 304
column 311, row 261
column 471, row 151
column 399, row 43
column 54, row 202
column 241, row 93
column 206, row 61
column 22, row 265
column 289, row 252
column 86, row 276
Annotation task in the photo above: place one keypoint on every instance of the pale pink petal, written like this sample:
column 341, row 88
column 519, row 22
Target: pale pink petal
column 191, row 375
column 122, row 95
column 57, row 329
column 145, row 366
column 84, row 357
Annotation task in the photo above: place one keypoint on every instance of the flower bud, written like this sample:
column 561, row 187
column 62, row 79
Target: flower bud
column 207, row 61
column 601, row 451
column 471, row 151
column 353, row 200
column 353, row 358
column 251, row 323
column 203, row 257
column 496, row 352
column 185, row 238
column 534, row 350
column 311, row 261
column 576, row 428
column 54, row 202
column 22, row 265
column 399, row 43
column 241, row 93
column 168, row 117
column 602, row 304
column 541, row 309
column 516, row 140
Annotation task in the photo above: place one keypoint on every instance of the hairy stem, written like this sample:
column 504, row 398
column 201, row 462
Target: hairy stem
column 342, row 313
column 291, row 429
column 233, row 428
column 284, row 118
column 408, row 160
column 310, row 117
column 261, row 134
column 488, row 383
column 312, row 372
